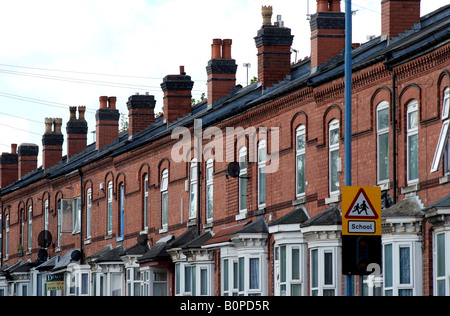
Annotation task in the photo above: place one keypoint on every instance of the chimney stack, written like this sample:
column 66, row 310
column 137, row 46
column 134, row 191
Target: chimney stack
column 221, row 70
column 327, row 32
column 9, row 167
column 274, row 51
column 398, row 16
column 52, row 142
column 77, row 129
column 177, row 96
column 107, row 122
column 28, row 158
column 141, row 113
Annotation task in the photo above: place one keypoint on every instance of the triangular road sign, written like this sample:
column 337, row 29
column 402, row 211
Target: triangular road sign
column 361, row 207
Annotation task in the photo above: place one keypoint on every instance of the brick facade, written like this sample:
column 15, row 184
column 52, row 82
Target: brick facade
column 312, row 104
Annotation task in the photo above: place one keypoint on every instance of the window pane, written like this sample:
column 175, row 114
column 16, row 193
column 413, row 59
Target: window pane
column 203, row 282
column 413, row 157
column 295, row 264
column 262, row 185
column 334, row 174
column 187, row 279
column 314, row 268
column 388, row 265
column 405, row 292
column 405, row 265
column 254, row 273
column 242, row 194
column 383, row 157
column 209, row 204
column 300, row 174
column 225, row 275
column 193, row 201
column 296, row 289
column 241, row 274
column 383, row 119
column 328, row 268
column 334, row 137
column 440, row 260
column 283, row 264
column 300, row 141
column 412, row 120
column 164, row 208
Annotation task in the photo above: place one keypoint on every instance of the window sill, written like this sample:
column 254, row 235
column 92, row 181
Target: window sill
column 335, row 198
column 241, row 215
column 410, row 188
column 299, row 200
column 445, row 179
column 163, row 230
column 384, row 186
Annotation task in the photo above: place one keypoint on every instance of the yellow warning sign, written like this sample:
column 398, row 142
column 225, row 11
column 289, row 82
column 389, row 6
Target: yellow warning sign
column 361, row 211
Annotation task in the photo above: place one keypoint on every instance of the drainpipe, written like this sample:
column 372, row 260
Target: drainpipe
column 394, row 136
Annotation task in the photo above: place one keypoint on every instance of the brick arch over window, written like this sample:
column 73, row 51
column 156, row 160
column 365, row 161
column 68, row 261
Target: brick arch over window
column 121, row 178
column 58, row 196
column 332, row 112
column 109, row 177
column 300, row 118
column 442, row 84
column 46, row 196
column 163, row 164
column 143, row 170
column 21, row 207
column 30, row 203
column 381, row 94
column 409, row 93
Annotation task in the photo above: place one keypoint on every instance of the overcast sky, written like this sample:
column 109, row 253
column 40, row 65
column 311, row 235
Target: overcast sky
column 55, row 54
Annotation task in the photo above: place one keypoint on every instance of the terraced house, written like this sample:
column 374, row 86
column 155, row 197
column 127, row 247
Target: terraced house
column 162, row 210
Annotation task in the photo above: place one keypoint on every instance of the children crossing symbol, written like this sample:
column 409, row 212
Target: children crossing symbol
column 361, row 207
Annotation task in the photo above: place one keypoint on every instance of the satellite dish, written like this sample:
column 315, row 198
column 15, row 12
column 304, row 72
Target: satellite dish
column 75, row 255
column 233, row 169
column 42, row 255
column 142, row 240
column 44, row 239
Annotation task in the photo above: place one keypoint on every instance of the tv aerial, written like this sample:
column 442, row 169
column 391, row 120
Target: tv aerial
column 233, row 170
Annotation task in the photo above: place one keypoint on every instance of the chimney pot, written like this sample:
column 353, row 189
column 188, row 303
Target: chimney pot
column 103, row 102
column 112, row 102
column 81, row 113
column 267, row 12
column 215, row 48
column 13, row 148
column 226, row 48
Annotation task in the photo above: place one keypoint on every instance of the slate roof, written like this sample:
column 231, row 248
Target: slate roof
column 297, row 216
column 409, row 207
column 331, row 216
column 442, row 203
column 433, row 31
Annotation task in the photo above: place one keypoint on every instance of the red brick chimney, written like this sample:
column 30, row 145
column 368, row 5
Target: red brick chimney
column 77, row 129
column 221, row 70
column 177, row 96
column 274, row 51
column 9, row 167
column 28, row 158
column 52, row 142
column 107, row 118
column 398, row 16
column 327, row 32
column 141, row 113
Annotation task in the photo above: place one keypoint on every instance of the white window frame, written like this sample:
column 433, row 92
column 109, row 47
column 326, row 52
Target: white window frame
column 283, row 287
column 262, row 157
column 382, row 131
column 7, row 236
column 209, row 190
column 88, row 213
column 76, row 215
column 300, row 152
column 109, row 216
column 397, row 286
column 230, row 276
column 443, row 136
column 120, row 218
column 193, row 272
column 145, row 206
column 193, row 191
column 46, row 214
column 413, row 107
column 332, row 147
column 321, row 286
column 133, row 278
column 242, row 183
column 446, row 257
column 164, row 197
column 30, row 228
